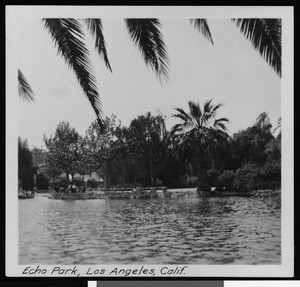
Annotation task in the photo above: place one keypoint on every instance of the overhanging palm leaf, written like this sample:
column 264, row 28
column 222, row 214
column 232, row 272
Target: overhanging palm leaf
column 95, row 27
column 265, row 36
column 202, row 26
column 25, row 90
column 67, row 34
column 146, row 34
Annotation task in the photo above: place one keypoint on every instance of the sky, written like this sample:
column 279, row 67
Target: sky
column 229, row 72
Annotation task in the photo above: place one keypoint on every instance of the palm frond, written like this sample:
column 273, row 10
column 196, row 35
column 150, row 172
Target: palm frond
column 278, row 126
column 202, row 26
column 185, row 115
column 176, row 128
column 207, row 108
column 95, row 27
column 146, row 34
column 25, row 90
column 195, row 110
column 216, row 107
column 222, row 120
column 265, row 36
column 181, row 116
column 220, row 123
column 67, row 35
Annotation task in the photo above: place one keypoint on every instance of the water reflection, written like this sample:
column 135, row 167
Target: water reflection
column 183, row 230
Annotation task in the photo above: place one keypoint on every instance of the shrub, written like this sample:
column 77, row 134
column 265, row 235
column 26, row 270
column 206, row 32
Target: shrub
column 251, row 177
column 191, row 181
column 212, row 176
column 92, row 183
column 271, row 175
column 42, row 181
column 247, row 178
column 225, row 179
column 63, row 182
column 28, row 181
column 78, row 181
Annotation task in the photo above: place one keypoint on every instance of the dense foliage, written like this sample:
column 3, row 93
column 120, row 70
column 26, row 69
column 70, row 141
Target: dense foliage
column 195, row 152
column 64, row 150
column 42, row 181
column 26, row 169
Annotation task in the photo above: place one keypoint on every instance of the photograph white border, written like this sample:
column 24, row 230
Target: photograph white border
column 16, row 13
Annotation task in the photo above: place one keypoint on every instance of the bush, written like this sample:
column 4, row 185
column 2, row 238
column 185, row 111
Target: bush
column 225, row 179
column 251, row 177
column 42, row 182
column 92, row 183
column 212, row 176
column 271, row 175
column 28, row 181
column 191, row 181
column 63, row 182
column 247, row 178
column 78, row 181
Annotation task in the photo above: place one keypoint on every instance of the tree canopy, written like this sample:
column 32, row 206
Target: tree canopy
column 64, row 149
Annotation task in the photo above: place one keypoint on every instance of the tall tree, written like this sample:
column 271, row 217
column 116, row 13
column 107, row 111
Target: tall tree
column 250, row 144
column 197, row 135
column 25, row 165
column 101, row 147
column 147, row 145
column 64, row 150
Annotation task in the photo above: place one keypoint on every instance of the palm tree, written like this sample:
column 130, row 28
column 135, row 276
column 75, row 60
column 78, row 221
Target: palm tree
column 197, row 135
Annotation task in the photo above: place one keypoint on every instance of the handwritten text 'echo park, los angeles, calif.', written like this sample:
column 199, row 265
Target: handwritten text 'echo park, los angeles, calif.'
column 74, row 271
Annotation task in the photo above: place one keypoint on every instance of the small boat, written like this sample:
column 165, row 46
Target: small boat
column 26, row 194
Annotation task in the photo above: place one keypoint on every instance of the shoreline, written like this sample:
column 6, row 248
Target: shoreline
column 172, row 193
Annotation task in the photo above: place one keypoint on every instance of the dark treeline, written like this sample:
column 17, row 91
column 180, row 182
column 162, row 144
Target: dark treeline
column 26, row 169
column 196, row 152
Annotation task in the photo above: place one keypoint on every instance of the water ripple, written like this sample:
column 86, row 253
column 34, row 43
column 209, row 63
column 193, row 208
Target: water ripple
column 183, row 230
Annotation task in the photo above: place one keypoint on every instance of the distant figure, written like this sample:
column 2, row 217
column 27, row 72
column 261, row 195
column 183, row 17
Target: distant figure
column 153, row 192
column 166, row 192
column 83, row 188
column 68, row 190
column 73, row 188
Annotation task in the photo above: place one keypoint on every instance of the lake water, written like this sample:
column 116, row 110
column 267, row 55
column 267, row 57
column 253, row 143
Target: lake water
column 183, row 230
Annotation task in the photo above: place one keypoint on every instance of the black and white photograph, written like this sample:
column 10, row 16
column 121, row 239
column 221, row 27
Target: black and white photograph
column 149, row 141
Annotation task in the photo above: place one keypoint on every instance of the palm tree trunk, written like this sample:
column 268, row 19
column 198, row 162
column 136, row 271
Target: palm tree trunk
column 203, row 187
column 105, row 176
